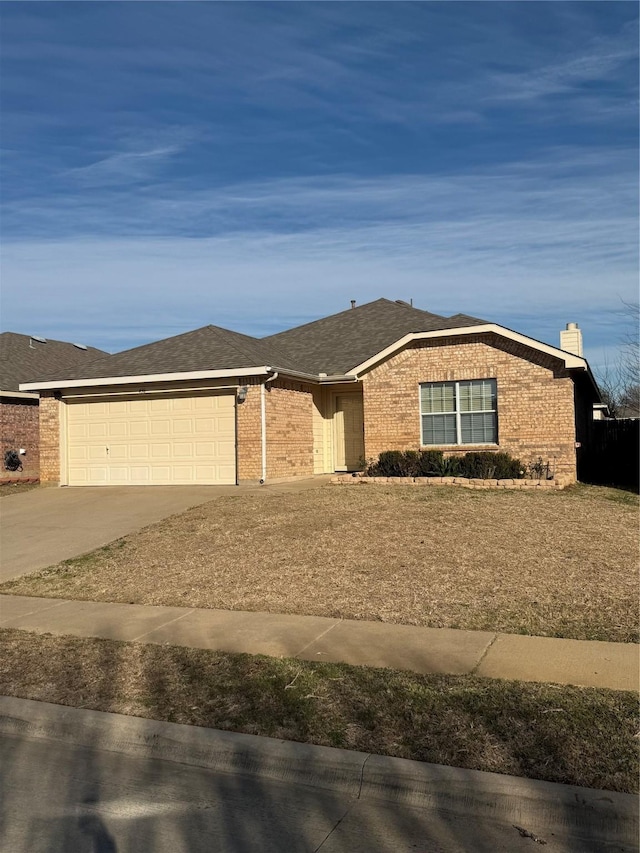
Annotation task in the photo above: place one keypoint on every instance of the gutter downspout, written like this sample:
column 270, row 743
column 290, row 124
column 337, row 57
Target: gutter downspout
column 263, row 423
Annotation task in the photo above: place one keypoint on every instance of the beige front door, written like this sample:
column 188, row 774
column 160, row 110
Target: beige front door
column 152, row 440
column 349, row 432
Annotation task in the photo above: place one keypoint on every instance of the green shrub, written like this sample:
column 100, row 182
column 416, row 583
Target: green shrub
column 390, row 464
column 429, row 463
column 483, row 465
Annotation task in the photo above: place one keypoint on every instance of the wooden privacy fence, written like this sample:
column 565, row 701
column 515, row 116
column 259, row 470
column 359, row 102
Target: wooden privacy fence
column 611, row 457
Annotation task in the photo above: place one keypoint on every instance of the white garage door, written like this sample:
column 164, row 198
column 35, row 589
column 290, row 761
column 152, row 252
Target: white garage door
column 162, row 440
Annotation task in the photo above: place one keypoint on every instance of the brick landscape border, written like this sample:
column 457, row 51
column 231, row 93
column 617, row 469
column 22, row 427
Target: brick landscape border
column 463, row 482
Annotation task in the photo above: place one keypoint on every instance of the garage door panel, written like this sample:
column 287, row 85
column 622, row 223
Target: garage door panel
column 97, row 476
column 139, row 429
column 161, row 452
column 183, row 426
column 130, row 429
column 97, row 453
column 96, row 430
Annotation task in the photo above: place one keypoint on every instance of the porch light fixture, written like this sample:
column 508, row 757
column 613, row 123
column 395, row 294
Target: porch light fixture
column 242, row 394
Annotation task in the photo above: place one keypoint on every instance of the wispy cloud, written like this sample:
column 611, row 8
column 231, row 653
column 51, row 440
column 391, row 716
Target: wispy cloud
column 123, row 166
column 531, row 244
column 259, row 164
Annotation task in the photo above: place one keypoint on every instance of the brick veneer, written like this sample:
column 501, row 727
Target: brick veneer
column 20, row 428
column 289, row 420
column 535, row 397
column 249, row 445
column 289, row 430
column 49, row 439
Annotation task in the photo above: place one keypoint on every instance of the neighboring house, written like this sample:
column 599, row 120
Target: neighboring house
column 215, row 406
column 23, row 358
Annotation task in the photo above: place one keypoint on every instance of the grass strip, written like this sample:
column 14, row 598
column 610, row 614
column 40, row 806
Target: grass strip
column 580, row 736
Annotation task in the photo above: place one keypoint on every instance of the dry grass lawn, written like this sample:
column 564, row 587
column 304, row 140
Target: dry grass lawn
column 579, row 736
column 555, row 564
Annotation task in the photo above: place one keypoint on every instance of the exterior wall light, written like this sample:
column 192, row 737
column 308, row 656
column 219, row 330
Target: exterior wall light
column 242, row 394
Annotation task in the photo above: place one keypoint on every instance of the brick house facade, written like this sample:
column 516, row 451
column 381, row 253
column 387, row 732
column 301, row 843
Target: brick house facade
column 22, row 358
column 292, row 419
column 536, row 415
column 20, row 430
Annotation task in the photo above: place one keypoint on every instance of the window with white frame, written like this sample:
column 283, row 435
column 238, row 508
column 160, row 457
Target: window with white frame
column 459, row 412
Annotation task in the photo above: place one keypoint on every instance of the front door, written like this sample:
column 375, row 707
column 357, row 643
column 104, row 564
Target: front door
column 349, row 432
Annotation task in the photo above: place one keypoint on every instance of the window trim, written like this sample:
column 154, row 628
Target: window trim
column 458, row 414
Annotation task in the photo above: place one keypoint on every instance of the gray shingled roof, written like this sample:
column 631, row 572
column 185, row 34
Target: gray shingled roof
column 23, row 359
column 208, row 348
column 332, row 345
column 338, row 343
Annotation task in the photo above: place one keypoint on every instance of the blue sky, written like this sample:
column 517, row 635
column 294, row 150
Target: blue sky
column 258, row 165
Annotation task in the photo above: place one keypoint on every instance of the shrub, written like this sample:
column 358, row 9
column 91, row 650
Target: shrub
column 430, row 463
column 390, row 464
column 433, row 463
column 539, row 470
column 485, row 465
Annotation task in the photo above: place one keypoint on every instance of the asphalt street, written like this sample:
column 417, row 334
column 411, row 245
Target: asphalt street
column 58, row 798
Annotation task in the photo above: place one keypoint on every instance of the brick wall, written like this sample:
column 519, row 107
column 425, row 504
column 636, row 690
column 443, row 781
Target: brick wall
column 289, row 408
column 535, row 397
column 289, row 419
column 248, row 437
column 49, row 438
column 19, row 428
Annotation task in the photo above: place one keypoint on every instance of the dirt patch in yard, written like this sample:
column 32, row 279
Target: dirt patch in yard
column 554, row 564
column 579, row 736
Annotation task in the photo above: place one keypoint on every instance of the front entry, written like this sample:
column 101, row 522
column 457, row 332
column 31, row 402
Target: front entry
column 348, row 423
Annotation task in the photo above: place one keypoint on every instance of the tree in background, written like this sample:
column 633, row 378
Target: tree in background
column 620, row 383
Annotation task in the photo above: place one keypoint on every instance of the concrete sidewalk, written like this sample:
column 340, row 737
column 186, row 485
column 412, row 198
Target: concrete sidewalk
column 377, row 644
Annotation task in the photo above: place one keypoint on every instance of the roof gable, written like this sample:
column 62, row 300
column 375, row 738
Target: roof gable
column 338, row 343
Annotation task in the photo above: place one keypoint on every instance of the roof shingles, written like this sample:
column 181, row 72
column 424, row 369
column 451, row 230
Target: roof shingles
column 331, row 345
column 26, row 359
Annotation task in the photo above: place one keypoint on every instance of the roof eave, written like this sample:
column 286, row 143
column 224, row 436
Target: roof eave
column 319, row 378
column 18, row 395
column 570, row 361
column 53, row 384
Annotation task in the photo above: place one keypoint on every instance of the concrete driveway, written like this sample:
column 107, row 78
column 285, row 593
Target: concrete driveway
column 43, row 526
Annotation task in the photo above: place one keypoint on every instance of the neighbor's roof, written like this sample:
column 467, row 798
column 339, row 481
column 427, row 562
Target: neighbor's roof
column 208, row 348
column 23, row 358
column 339, row 343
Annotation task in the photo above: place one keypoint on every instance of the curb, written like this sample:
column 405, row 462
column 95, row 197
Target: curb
column 542, row 806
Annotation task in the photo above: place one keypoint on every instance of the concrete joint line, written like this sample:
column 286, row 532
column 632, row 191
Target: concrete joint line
column 164, row 625
column 319, row 637
column 364, row 764
column 333, row 829
column 484, row 654
column 38, row 610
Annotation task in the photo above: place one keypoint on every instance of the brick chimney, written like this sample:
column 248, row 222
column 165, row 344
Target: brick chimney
column 571, row 339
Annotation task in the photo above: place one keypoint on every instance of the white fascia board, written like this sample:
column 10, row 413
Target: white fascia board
column 144, row 379
column 318, row 378
column 568, row 358
column 19, row 395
